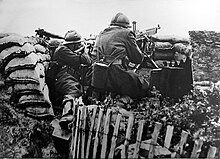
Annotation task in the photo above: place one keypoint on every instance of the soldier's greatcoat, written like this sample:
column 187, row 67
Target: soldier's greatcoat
column 119, row 43
column 67, row 79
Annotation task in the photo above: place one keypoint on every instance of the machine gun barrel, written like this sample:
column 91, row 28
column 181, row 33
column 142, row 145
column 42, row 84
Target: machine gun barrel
column 42, row 32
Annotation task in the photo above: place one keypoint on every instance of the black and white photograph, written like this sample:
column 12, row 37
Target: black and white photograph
column 110, row 79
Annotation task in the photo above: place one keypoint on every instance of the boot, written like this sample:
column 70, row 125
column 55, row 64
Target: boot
column 67, row 114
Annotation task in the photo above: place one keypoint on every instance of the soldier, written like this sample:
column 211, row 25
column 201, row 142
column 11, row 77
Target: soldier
column 69, row 56
column 52, row 45
column 116, row 45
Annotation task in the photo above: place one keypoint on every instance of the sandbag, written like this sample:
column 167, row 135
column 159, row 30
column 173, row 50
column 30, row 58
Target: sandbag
column 32, row 40
column 40, row 48
column 35, row 100
column 28, row 62
column 2, row 35
column 40, row 112
column 27, row 75
column 170, row 38
column 11, row 40
column 43, row 57
column 163, row 45
column 24, row 88
column 14, row 51
column 182, row 48
column 163, row 54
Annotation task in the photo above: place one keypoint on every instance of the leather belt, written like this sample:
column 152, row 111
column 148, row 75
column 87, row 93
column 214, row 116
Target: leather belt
column 118, row 61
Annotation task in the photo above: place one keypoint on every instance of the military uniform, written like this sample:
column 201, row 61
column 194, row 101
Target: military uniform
column 117, row 45
column 67, row 79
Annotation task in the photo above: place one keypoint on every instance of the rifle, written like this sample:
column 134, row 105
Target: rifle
column 42, row 33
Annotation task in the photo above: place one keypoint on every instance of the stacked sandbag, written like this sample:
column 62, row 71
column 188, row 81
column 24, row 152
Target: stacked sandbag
column 170, row 48
column 23, row 61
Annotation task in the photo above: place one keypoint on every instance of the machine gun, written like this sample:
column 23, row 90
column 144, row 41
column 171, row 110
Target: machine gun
column 146, row 33
column 42, row 33
column 146, row 44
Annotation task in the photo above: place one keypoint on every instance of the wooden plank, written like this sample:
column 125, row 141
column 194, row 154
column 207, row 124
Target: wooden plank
column 79, row 133
column 183, row 139
column 197, row 148
column 91, row 130
column 84, row 116
column 212, row 151
column 155, row 134
column 73, row 128
column 138, row 139
column 96, row 142
column 105, row 135
column 124, row 153
column 76, row 133
column 169, row 134
column 115, row 135
column 180, row 145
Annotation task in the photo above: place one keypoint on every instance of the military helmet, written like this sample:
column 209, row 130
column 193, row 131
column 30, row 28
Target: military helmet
column 72, row 37
column 120, row 20
column 53, row 44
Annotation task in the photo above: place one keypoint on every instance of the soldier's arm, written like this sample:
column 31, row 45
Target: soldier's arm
column 134, row 53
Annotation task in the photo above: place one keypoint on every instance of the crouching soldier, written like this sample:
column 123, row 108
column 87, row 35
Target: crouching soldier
column 68, row 57
column 115, row 46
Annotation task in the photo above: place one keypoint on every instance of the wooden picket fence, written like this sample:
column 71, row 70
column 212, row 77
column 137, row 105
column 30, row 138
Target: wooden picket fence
column 95, row 132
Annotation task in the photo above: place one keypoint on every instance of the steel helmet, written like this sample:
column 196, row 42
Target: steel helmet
column 53, row 44
column 120, row 20
column 72, row 37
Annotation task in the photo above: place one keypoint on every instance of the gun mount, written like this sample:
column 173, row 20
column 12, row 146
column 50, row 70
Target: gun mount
column 173, row 77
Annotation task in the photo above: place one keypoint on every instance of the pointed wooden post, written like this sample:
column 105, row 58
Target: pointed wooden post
column 138, row 139
column 124, row 152
column 80, row 132
column 96, row 142
column 169, row 134
column 155, row 134
column 183, row 140
column 211, row 152
column 105, row 135
column 76, row 133
column 73, row 128
column 84, row 116
column 91, row 130
column 115, row 135
column 197, row 148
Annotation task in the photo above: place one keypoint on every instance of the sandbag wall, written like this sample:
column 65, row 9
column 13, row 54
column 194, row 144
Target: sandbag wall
column 173, row 56
column 170, row 48
column 23, row 61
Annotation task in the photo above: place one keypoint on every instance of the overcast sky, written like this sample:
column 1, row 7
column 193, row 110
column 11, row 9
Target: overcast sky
column 176, row 17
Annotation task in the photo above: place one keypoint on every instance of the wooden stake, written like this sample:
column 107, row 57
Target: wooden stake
column 155, row 134
column 169, row 134
column 96, row 142
column 91, row 130
column 76, row 133
column 124, row 153
column 115, row 135
column 138, row 139
column 105, row 135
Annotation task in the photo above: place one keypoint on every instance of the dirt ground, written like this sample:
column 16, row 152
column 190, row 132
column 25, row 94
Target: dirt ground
column 22, row 136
